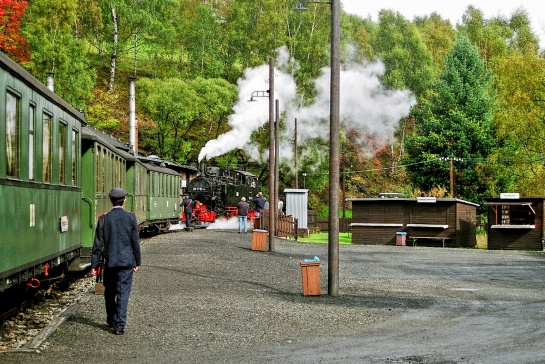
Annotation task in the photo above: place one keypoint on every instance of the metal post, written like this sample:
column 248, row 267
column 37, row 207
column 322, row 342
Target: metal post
column 451, row 177
column 344, row 183
column 333, row 241
column 271, row 153
column 274, row 203
column 295, row 156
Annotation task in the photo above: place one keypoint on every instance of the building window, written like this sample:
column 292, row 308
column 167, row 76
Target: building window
column 46, row 147
column 12, row 134
column 63, row 134
column 516, row 215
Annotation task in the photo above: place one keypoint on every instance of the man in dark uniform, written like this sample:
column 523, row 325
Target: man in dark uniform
column 118, row 243
column 187, row 203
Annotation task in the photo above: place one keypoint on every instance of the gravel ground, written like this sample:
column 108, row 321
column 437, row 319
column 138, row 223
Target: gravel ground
column 206, row 297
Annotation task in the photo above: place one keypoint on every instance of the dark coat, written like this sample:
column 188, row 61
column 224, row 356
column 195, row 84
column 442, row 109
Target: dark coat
column 243, row 208
column 117, row 240
column 260, row 203
column 188, row 205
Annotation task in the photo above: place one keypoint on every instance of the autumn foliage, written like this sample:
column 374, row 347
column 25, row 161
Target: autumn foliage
column 11, row 41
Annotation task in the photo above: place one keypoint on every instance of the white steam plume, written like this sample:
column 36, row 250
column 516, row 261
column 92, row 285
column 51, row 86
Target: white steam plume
column 364, row 104
column 250, row 116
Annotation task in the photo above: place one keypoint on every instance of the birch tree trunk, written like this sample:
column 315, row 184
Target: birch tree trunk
column 113, row 58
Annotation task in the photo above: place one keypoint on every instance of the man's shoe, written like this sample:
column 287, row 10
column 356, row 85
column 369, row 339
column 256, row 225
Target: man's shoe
column 119, row 332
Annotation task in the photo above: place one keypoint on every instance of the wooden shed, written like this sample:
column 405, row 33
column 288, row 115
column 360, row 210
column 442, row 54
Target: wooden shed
column 515, row 223
column 423, row 221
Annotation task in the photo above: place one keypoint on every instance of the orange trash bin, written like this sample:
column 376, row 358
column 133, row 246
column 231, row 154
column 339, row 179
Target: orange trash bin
column 310, row 273
column 259, row 240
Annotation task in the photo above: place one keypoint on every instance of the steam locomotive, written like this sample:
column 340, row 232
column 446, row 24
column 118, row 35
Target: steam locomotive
column 216, row 193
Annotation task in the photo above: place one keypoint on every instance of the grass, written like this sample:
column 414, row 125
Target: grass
column 322, row 238
column 346, row 239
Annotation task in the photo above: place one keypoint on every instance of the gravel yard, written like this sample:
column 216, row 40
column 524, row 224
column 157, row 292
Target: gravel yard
column 206, row 297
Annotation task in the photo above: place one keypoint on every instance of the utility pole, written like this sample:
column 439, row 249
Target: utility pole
column 451, row 177
column 272, row 211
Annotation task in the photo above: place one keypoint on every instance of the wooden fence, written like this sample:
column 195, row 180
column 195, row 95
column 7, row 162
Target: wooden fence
column 322, row 224
column 287, row 226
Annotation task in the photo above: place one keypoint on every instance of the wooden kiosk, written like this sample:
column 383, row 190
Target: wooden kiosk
column 424, row 221
column 516, row 223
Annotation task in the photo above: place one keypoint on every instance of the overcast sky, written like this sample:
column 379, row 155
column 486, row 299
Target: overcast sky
column 452, row 10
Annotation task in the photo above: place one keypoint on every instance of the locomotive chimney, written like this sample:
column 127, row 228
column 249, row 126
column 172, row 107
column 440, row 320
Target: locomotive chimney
column 133, row 137
column 50, row 81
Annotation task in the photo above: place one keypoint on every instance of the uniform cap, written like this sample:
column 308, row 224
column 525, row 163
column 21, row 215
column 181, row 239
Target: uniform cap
column 117, row 193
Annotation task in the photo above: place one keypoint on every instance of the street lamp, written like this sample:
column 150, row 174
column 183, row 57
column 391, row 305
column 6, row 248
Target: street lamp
column 334, row 165
column 258, row 94
column 304, row 180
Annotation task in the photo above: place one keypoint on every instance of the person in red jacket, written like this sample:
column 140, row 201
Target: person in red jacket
column 117, row 242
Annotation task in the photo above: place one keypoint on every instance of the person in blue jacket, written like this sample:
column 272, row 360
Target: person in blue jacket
column 117, row 242
column 259, row 202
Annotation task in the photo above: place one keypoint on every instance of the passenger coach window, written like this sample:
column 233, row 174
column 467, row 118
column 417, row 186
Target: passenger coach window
column 75, row 153
column 12, row 135
column 31, row 149
column 62, row 152
column 46, row 148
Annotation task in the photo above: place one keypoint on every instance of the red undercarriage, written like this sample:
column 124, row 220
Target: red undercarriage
column 202, row 214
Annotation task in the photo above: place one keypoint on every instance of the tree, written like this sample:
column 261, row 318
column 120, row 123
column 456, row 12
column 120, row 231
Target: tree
column 202, row 43
column 455, row 122
column 520, row 119
column 55, row 49
column 11, row 40
column 172, row 104
column 438, row 36
column 496, row 37
column 129, row 25
column 409, row 64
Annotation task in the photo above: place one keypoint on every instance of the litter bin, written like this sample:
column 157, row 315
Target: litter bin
column 310, row 273
column 401, row 237
column 259, row 239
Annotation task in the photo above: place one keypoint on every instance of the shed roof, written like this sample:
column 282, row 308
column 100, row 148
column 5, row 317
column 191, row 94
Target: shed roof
column 296, row 190
column 411, row 200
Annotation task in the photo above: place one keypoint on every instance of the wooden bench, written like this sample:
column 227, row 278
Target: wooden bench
column 435, row 226
column 370, row 224
column 437, row 238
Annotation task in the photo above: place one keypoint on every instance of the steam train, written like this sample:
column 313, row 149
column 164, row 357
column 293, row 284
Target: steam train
column 216, row 193
column 55, row 175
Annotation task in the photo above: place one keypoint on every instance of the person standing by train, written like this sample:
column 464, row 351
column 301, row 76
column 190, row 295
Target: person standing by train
column 118, row 243
column 243, row 208
column 259, row 201
column 188, row 204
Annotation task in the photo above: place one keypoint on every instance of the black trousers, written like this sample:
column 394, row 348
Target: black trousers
column 117, row 289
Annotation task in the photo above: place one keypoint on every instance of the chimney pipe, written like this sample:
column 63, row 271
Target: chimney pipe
column 133, row 146
column 50, row 81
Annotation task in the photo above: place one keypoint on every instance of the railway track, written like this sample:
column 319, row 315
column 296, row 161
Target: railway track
column 24, row 315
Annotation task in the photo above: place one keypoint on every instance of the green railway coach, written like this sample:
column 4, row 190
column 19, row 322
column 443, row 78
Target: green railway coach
column 40, row 179
column 105, row 165
column 163, row 193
